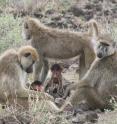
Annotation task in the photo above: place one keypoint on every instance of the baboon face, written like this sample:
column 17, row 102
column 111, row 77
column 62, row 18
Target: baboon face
column 27, row 57
column 104, row 49
column 26, row 33
column 27, row 62
column 30, row 28
column 56, row 73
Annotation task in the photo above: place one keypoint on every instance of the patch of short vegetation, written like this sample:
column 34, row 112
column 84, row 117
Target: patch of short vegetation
column 10, row 32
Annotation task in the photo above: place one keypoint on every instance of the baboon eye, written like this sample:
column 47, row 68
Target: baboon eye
column 105, row 44
column 27, row 54
column 26, row 25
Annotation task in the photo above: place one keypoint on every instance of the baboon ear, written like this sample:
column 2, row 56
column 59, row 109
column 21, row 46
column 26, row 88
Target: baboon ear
column 27, row 54
column 26, row 25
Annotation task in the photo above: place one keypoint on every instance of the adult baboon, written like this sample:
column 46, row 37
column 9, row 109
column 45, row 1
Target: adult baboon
column 99, row 84
column 103, row 45
column 14, row 66
column 59, row 44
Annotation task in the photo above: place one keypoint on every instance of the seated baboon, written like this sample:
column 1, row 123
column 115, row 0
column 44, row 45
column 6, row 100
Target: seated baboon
column 56, row 85
column 102, row 40
column 14, row 67
column 99, row 84
column 37, row 86
column 59, row 44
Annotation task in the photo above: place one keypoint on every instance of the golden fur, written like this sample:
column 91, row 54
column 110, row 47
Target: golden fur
column 14, row 66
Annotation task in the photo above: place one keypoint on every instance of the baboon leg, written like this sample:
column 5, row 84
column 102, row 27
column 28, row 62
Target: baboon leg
column 44, row 70
column 82, row 66
column 85, row 98
column 41, row 69
column 90, row 96
column 38, row 69
column 66, row 93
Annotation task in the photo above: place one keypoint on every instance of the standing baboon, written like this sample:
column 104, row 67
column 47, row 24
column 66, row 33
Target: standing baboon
column 99, row 84
column 59, row 44
column 14, row 66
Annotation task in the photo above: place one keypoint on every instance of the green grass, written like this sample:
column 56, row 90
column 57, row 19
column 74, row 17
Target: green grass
column 10, row 32
column 3, row 2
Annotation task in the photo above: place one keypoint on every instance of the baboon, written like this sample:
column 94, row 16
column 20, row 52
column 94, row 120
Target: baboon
column 37, row 86
column 103, row 39
column 56, row 85
column 104, row 49
column 59, row 44
column 14, row 66
column 98, row 85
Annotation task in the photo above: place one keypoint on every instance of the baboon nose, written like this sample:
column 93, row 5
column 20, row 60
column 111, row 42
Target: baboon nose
column 99, row 55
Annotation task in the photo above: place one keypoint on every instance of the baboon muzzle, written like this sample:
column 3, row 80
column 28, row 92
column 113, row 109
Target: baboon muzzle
column 99, row 55
column 29, row 70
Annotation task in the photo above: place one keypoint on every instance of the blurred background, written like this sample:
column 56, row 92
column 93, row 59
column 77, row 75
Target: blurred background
column 70, row 14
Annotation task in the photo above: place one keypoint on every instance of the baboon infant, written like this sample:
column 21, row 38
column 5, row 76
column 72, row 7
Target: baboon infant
column 14, row 67
column 37, row 86
column 59, row 44
column 56, row 85
column 99, row 84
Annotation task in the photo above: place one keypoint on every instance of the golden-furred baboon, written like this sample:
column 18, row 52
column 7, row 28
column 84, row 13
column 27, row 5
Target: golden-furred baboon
column 59, row 44
column 103, row 45
column 14, row 66
column 98, row 85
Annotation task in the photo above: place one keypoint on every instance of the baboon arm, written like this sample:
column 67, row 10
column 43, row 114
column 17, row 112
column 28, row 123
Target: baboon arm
column 46, row 84
column 37, row 69
column 44, row 70
column 67, row 102
column 41, row 69
column 88, row 80
column 74, row 86
column 82, row 66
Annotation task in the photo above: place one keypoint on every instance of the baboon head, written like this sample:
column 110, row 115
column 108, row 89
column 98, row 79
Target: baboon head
column 104, row 48
column 27, row 56
column 31, row 27
column 56, row 70
column 102, row 43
